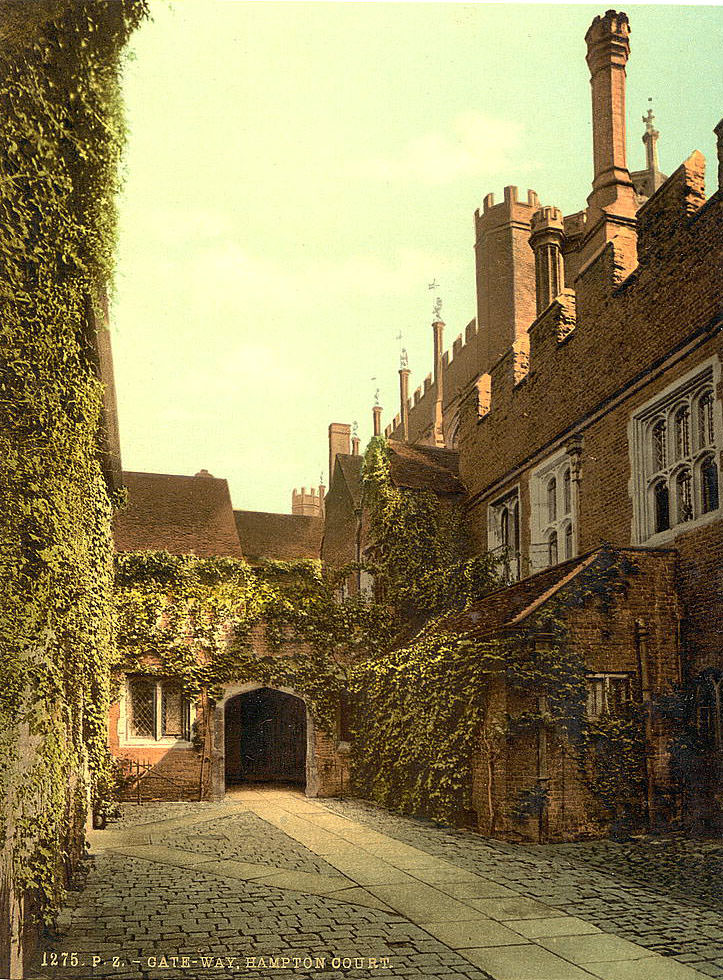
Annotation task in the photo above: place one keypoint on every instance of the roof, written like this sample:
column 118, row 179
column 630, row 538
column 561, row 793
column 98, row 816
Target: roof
column 508, row 607
column 180, row 514
column 351, row 470
column 425, row 468
column 278, row 536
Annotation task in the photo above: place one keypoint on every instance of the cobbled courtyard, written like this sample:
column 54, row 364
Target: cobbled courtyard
column 271, row 884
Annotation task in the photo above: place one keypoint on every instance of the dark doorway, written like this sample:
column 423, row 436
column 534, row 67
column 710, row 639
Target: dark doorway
column 265, row 735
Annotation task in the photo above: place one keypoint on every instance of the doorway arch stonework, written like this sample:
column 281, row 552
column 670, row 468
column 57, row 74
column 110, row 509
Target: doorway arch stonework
column 218, row 739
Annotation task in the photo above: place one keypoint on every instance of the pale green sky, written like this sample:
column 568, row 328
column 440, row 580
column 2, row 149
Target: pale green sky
column 296, row 175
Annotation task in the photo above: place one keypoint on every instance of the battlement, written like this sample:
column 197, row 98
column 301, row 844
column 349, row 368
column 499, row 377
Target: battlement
column 510, row 197
column 611, row 309
column 308, row 503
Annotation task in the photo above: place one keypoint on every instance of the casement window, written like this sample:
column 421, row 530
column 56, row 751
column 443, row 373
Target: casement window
column 503, row 533
column 552, row 498
column 607, row 693
column 675, row 451
column 157, row 709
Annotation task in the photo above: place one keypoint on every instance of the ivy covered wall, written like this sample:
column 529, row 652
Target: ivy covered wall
column 62, row 135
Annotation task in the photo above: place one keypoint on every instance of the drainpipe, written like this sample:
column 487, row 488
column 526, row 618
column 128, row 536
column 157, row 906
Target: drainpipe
column 641, row 650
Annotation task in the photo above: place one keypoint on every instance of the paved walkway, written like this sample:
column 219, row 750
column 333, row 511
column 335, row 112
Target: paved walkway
column 269, row 883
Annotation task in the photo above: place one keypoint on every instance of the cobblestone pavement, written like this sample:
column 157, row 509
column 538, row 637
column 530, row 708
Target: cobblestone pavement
column 664, row 893
column 270, row 884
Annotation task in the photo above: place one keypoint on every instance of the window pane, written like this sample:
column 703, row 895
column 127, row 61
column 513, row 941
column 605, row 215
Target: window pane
column 662, row 508
column 505, row 527
column 171, row 711
column 595, row 693
column 142, row 702
column 709, row 485
column 684, row 496
column 552, row 548
column 568, row 541
column 705, row 419
column 659, row 453
column 567, row 492
column 552, row 500
column 682, row 432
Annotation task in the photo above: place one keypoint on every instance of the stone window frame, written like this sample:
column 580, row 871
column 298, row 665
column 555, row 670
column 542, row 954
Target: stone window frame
column 606, row 682
column 553, row 529
column 652, row 468
column 510, row 503
column 157, row 739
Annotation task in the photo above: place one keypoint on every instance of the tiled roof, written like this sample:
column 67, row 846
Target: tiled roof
column 425, row 468
column 278, row 536
column 351, row 468
column 508, row 607
column 179, row 514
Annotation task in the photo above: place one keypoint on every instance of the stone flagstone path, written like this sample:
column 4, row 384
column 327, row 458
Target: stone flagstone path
column 269, row 874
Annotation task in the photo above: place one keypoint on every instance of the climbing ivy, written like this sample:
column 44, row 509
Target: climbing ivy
column 211, row 621
column 60, row 64
column 425, row 708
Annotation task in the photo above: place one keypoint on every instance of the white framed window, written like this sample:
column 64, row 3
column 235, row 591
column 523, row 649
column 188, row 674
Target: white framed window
column 675, row 447
column 156, row 710
column 503, row 533
column 553, row 501
column 606, row 693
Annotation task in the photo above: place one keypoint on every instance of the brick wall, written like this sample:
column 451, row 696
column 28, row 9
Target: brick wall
column 630, row 339
column 606, row 639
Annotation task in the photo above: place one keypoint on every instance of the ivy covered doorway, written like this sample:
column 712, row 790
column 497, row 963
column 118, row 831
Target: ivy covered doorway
column 265, row 738
column 263, row 734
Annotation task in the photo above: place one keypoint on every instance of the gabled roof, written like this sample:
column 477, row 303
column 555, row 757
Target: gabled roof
column 351, row 469
column 281, row 537
column 180, row 514
column 424, row 468
column 508, row 608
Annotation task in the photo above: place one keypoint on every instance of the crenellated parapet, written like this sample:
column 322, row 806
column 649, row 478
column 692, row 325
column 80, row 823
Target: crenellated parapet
column 592, row 342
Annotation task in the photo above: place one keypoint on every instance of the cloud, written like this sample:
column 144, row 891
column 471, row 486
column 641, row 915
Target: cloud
column 476, row 144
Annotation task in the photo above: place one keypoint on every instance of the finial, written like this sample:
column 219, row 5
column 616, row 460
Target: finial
column 355, row 430
column 650, row 139
column 648, row 119
column 437, row 311
column 376, row 397
column 403, row 359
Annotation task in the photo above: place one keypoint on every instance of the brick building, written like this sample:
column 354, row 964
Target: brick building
column 577, row 416
column 584, row 402
column 151, row 723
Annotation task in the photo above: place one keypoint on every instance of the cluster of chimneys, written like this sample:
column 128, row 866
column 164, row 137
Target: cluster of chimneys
column 610, row 213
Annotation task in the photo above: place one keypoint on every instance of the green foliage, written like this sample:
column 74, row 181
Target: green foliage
column 424, row 709
column 203, row 621
column 62, row 139
column 421, row 550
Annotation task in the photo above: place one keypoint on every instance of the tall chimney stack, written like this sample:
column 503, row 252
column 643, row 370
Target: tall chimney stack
column 611, row 205
column 438, row 334
column 404, row 399
column 377, row 419
column 339, row 444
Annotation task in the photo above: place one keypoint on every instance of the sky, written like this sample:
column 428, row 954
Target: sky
column 296, row 176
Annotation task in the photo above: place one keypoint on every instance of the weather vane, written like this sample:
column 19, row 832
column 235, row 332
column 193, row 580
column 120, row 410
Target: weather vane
column 355, row 430
column 403, row 359
column 437, row 311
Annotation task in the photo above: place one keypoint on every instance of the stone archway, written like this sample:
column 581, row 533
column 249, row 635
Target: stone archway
column 266, row 707
column 265, row 738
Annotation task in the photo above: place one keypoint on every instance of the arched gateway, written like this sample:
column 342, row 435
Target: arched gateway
column 265, row 738
column 263, row 734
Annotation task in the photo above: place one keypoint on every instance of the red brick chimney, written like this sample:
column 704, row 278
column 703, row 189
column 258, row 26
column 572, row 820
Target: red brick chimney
column 611, row 205
column 404, row 401
column 438, row 334
column 339, row 444
column 377, row 417
column 546, row 242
